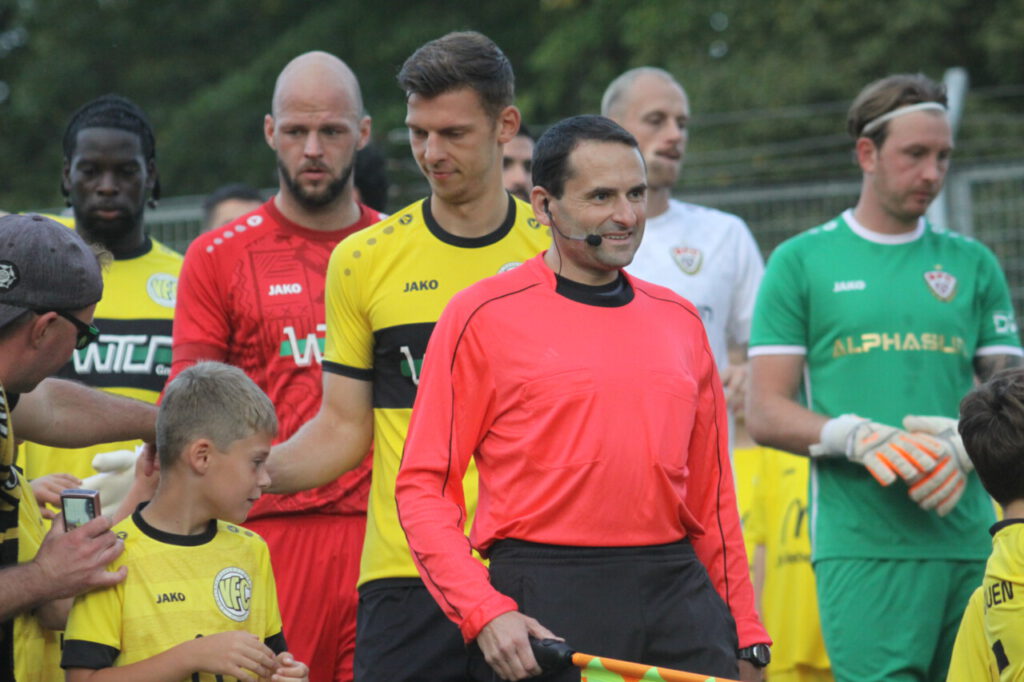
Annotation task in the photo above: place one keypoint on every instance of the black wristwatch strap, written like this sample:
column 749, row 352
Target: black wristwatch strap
column 758, row 654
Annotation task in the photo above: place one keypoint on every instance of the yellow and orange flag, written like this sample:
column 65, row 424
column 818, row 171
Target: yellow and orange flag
column 599, row 669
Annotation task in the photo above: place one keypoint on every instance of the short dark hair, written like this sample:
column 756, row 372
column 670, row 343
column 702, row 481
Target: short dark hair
column 551, row 154
column 885, row 95
column 113, row 111
column 464, row 59
column 525, row 132
column 371, row 177
column 992, row 427
column 233, row 190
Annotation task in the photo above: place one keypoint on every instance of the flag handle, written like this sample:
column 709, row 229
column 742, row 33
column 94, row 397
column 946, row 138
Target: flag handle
column 554, row 656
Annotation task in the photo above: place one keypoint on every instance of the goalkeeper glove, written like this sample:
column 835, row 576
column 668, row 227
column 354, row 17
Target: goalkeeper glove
column 942, row 488
column 885, row 451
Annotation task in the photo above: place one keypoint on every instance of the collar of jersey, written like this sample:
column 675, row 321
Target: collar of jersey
column 173, row 538
column 999, row 525
column 615, row 294
column 469, row 242
column 307, row 233
column 878, row 237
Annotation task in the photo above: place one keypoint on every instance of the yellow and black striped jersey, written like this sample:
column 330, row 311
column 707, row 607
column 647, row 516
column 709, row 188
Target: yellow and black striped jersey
column 10, row 495
column 133, row 354
column 36, row 649
column 386, row 288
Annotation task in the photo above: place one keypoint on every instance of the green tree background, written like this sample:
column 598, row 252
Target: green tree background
column 768, row 81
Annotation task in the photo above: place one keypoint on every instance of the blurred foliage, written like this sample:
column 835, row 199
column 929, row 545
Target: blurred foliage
column 759, row 74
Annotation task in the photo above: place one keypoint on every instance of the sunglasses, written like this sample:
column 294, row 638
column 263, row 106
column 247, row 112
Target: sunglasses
column 87, row 333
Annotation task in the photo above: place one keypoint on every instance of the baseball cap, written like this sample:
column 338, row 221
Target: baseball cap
column 44, row 266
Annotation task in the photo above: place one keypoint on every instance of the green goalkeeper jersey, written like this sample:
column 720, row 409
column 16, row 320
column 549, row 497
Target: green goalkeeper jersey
column 890, row 326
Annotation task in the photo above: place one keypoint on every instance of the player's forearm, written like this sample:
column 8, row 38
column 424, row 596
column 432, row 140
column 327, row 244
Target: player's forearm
column 318, row 453
column 66, row 414
column 783, row 424
column 22, row 588
column 169, row 666
column 53, row 615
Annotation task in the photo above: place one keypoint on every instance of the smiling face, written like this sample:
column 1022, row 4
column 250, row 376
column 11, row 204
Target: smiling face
column 605, row 193
column 906, row 173
column 656, row 111
column 107, row 181
column 237, row 476
column 456, row 144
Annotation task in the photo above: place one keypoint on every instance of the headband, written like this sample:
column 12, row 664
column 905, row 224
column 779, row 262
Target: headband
column 876, row 123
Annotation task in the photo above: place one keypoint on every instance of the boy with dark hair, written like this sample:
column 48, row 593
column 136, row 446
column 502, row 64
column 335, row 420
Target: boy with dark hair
column 200, row 598
column 992, row 428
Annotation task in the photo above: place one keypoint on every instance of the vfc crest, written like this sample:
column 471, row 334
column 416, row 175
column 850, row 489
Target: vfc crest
column 941, row 283
column 688, row 259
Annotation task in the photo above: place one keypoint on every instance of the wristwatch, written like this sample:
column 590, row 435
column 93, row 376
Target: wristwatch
column 758, row 654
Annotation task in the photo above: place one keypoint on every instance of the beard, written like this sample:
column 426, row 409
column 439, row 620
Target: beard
column 313, row 201
column 107, row 232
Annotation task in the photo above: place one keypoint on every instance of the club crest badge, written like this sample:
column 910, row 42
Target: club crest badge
column 232, row 589
column 941, row 283
column 688, row 259
column 8, row 275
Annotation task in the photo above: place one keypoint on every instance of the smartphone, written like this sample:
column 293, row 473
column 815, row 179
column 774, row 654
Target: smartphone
column 80, row 506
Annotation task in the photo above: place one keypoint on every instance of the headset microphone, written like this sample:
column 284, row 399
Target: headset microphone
column 591, row 239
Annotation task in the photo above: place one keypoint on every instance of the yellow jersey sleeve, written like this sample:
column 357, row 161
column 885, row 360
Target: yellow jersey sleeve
column 349, row 339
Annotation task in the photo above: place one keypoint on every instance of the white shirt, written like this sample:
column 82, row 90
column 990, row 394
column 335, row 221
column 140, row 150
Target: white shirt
column 710, row 258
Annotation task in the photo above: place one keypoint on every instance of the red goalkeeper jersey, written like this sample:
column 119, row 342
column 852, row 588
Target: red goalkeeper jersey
column 251, row 294
column 593, row 421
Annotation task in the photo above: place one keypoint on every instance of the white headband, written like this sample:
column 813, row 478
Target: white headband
column 909, row 109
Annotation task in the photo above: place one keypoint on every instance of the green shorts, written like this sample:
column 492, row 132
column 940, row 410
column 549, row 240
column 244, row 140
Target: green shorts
column 893, row 619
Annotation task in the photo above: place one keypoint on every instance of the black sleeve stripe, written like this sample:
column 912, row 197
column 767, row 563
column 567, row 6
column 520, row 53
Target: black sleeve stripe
column 81, row 654
column 348, row 371
column 1000, row 653
column 276, row 643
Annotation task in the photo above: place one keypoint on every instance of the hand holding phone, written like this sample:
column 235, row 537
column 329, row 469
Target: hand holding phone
column 80, row 506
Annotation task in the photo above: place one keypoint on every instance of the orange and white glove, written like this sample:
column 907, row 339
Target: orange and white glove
column 942, row 487
column 888, row 453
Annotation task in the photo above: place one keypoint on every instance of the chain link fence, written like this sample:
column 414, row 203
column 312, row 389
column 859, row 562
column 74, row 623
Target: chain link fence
column 985, row 201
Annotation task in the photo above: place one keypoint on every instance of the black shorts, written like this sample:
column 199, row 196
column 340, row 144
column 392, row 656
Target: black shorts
column 653, row 605
column 403, row 636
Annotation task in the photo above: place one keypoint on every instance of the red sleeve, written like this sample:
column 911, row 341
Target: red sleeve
column 453, row 410
column 201, row 325
column 711, row 498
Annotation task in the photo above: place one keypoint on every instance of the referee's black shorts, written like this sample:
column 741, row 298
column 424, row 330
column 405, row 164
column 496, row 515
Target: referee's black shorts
column 654, row 605
column 402, row 635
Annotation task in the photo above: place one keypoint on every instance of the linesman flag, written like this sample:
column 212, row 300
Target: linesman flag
column 554, row 655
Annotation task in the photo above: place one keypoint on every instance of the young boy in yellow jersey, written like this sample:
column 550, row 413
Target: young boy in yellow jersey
column 199, row 602
column 992, row 428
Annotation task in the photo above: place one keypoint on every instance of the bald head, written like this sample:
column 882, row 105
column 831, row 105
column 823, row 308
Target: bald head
column 316, row 126
column 650, row 104
column 616, row 95
column 317, row 72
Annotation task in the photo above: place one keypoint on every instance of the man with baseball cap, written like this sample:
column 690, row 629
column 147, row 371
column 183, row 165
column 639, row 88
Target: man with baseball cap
column 49, row 285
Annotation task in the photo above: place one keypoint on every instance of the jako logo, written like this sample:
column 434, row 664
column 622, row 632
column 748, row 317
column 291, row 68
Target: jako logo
column 232, row 588
column 421, row 285
column 165, row 597
column 282, row 289
column 850, row 285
